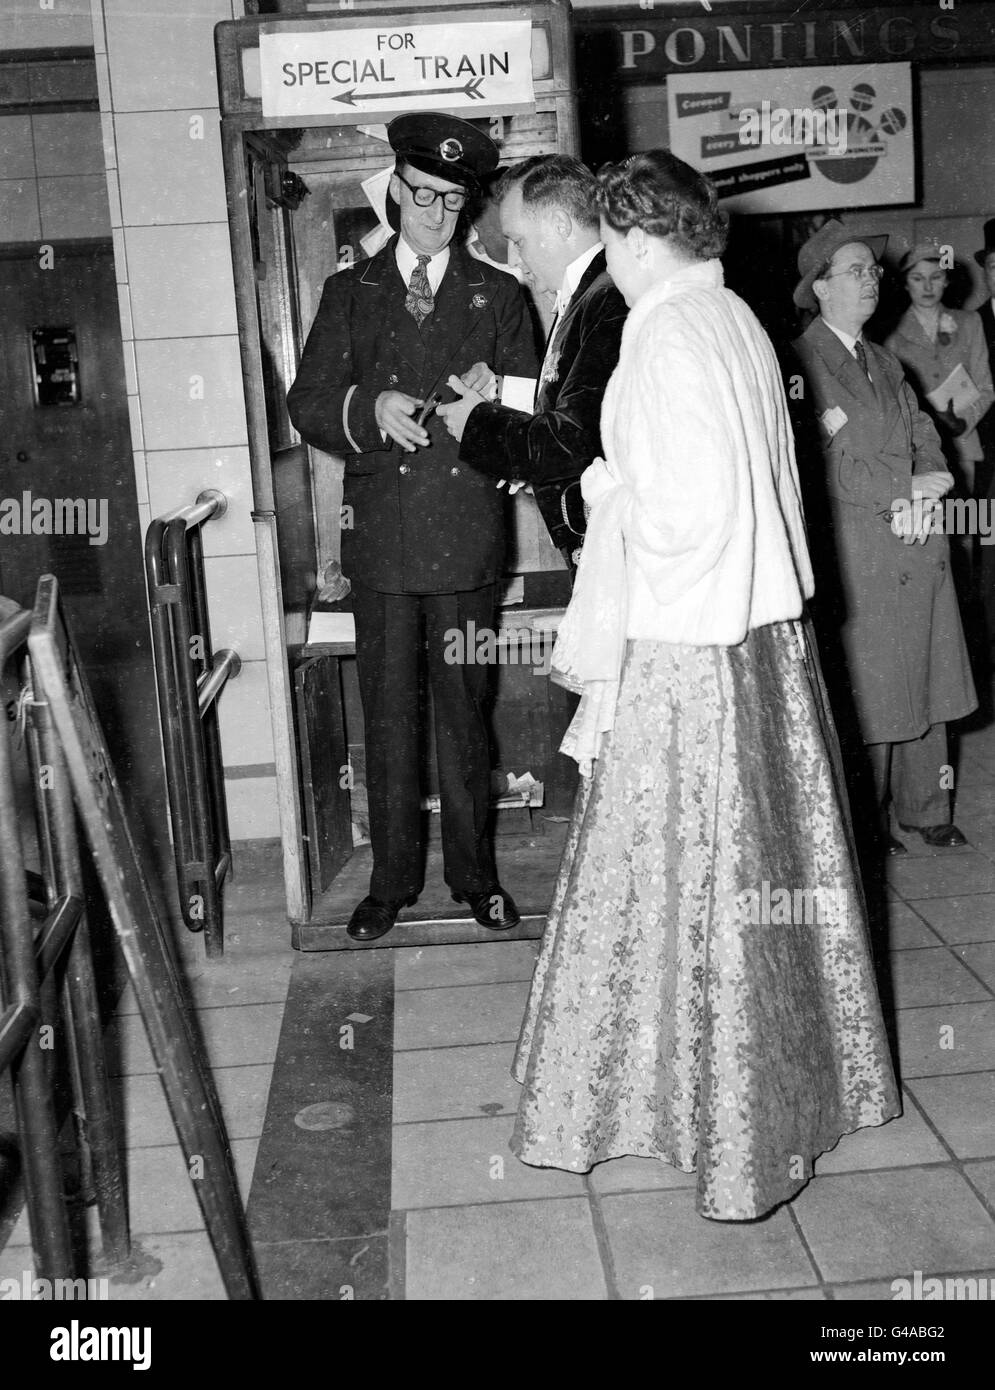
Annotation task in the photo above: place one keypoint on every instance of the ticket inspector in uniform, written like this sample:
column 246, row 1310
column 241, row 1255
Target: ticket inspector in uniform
column 426, row 547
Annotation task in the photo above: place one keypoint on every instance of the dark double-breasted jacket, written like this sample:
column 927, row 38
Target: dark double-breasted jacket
column 555, row 444
column 417, row 522
column 893, row 605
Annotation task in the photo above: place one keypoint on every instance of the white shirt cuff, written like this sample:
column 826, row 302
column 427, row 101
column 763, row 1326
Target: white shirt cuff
column 519, row 393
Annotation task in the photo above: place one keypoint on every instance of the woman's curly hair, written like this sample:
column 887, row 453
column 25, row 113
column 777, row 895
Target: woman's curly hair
column 667, row 198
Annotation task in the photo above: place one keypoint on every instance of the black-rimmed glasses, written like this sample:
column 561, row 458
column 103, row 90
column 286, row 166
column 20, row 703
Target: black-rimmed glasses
column 859, row 272
column 424, row 196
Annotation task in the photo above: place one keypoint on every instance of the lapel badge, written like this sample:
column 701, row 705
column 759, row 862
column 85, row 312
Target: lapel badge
column 478, row 301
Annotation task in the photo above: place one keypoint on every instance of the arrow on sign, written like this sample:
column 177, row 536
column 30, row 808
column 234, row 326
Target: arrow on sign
column 470, row 89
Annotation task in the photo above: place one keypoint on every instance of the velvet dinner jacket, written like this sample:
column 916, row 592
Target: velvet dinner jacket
column 420, row 522
column 563, row 436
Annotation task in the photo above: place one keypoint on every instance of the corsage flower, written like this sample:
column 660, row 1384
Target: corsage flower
column 946, row 329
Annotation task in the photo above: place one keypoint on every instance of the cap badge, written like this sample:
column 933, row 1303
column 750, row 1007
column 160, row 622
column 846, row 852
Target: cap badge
column 451, row 150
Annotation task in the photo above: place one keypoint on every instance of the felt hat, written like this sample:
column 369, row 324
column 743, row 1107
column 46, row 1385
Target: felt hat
column 820, row 248
column 922, row 251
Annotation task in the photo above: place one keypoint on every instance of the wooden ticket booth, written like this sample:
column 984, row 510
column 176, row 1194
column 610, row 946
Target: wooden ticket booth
column 304, row 105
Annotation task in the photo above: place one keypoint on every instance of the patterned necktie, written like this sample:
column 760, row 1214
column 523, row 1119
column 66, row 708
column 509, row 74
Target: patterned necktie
column 861, row 356
column 419, row 301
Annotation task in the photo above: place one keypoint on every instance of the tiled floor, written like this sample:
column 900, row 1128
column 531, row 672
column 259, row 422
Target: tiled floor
column 466, row 1219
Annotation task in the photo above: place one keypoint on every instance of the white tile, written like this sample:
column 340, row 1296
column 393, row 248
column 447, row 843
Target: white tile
column 234, row 605
column 17, row 157
column 178, row 476
column 182, row 37
column 130, row 367
column 108, row 139
column 114, row 196
column 120, row 256
column 192, row 392
column 68, row 143
column 103, row 82
column 141, row 476
column 19, row 220
column 167, row 177
column 23, row 24
column 74, row 207
column 252, row 808
column 135, row 421
column 182, row 281
column 97, row 21
column 244, row 717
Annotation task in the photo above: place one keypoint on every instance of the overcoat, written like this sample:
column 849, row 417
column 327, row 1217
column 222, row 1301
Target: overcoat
column 551, row 448
column 860, row 442
column 416, row 522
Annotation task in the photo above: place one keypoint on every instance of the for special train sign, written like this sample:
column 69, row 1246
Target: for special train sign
column 385, row 69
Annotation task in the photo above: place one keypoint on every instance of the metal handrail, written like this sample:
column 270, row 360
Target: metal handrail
column 189, row 681
column 30, row 954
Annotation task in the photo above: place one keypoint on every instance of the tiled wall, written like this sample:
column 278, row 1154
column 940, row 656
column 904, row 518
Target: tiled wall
column 52, row 182
column 162, row 150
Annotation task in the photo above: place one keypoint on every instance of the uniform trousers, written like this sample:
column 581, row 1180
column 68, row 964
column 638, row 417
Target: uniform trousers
column 913, row 771
column 395, row 634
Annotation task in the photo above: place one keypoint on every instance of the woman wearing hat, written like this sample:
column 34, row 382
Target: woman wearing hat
column 931, row 341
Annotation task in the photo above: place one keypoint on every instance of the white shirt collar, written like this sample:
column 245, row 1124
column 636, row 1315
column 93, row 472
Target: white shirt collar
column 847, row 339
column 573, row 275
column 408, row 259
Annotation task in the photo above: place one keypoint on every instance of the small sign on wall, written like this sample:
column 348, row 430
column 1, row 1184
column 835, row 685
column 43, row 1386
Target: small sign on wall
column 414, row 67
column 56, row 366
column 798, row 139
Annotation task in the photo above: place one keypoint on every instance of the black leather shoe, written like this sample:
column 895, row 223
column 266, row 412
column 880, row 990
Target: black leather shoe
column 893, row 846
column 373, row 917
column 939, row 836
column 493, row 908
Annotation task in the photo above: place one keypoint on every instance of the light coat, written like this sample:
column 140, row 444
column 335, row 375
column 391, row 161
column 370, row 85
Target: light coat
column 696, row 532
column 927, row 364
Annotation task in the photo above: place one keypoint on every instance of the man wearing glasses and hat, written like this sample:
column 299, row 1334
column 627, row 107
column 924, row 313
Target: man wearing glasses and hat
column 425, row 551
column 886, row 590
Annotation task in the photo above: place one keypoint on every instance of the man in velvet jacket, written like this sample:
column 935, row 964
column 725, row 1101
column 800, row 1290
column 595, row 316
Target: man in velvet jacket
column 427, row 540
column 547, row 433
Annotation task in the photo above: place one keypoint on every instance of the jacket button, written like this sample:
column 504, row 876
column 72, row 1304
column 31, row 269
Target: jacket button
column 404, row 468
column 454, row 472
column 903, row 579
column 943, row 565
column 392, row 379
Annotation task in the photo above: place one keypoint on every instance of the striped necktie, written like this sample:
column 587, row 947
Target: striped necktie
column 861, row 356
column 419, row 301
